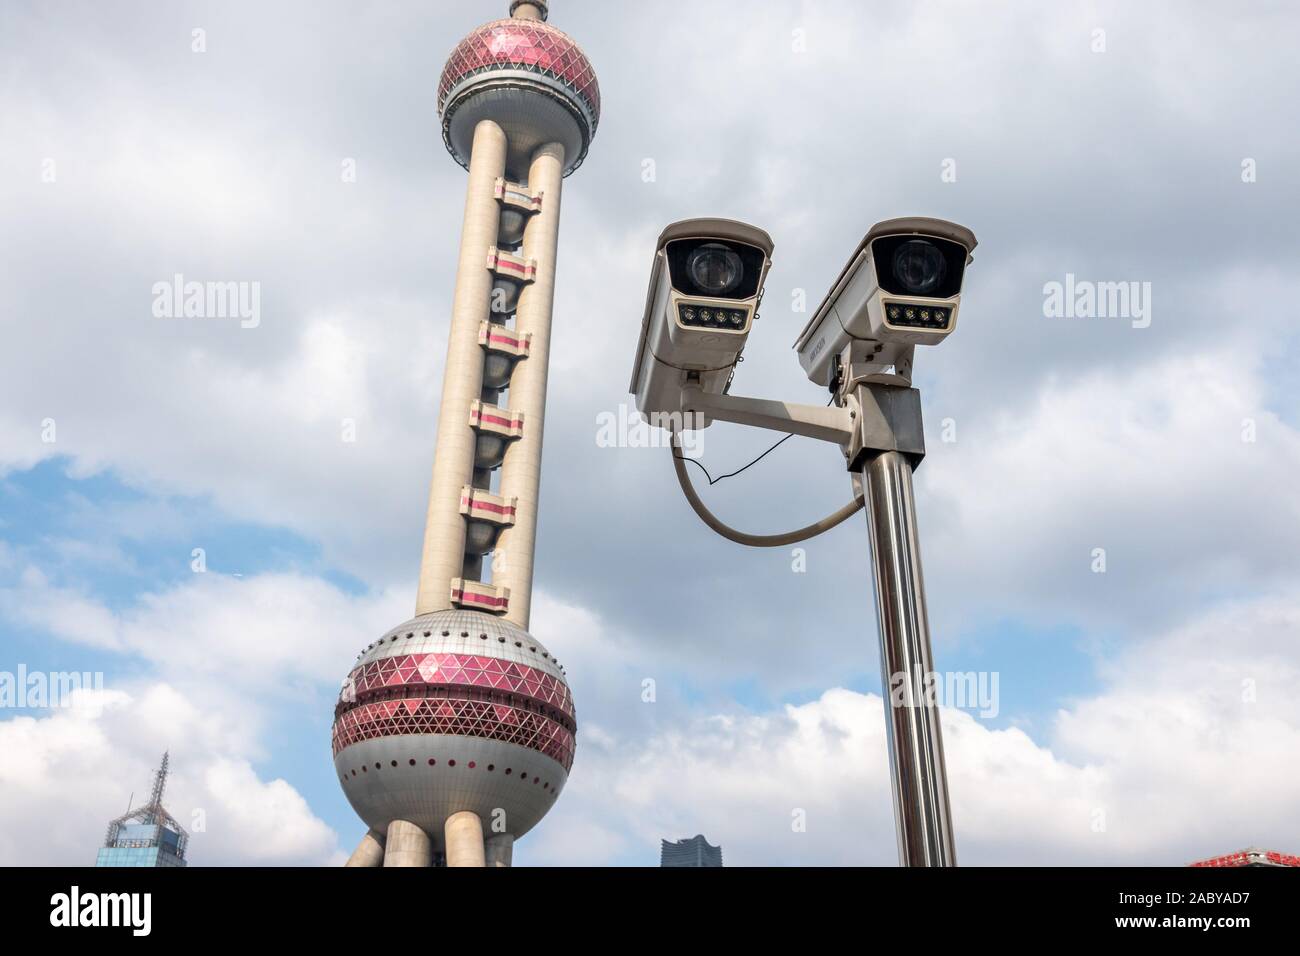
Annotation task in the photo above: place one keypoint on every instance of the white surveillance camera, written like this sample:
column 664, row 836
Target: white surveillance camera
column 705, row 287
column 901, row 288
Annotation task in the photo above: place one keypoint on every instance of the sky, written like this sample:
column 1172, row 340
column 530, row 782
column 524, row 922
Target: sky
column 1109, row 528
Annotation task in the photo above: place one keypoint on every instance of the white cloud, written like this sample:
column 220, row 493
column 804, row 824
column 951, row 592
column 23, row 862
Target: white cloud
column 356, row 286
column 227, row 659
column 1149, row 464
column 1191, row 725
column 262, row 822
column 66, row 775
column 255, row 633
column 60, row 610
column 1170, row 762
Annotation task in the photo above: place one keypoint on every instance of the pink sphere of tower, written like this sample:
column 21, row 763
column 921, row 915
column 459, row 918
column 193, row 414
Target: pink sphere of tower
column 531, row 79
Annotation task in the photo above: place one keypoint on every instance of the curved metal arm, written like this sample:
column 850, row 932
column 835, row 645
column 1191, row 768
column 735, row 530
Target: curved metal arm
column 754, row 540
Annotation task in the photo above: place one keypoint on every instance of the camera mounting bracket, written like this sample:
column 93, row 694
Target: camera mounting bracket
column 888, row 418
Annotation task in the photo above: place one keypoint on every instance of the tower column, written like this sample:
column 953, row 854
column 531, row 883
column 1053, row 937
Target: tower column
column 464, row 839
column 518, row 106
column 407, row 845
column 499, row 849
column 453, row 463
column 522, row 468
column 369, row 852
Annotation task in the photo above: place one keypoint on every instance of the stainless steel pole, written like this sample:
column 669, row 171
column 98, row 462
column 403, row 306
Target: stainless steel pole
column 920, row 779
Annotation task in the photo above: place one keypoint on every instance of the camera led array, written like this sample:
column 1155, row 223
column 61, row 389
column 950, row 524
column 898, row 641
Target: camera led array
column 711, row 317
column 912, row 316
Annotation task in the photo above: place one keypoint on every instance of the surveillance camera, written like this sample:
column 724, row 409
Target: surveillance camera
column 901, row 288
column 705, row 287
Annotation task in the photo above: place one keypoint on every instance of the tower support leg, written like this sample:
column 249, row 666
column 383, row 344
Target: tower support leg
column 369, row 852
column 407, row 845
column 464, row 838
column 500, row 849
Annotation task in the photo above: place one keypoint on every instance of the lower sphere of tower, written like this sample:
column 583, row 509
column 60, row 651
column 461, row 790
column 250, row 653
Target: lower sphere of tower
column 454, row 710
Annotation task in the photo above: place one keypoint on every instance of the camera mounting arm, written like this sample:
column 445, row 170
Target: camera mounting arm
column 832, row 423
column 873, row 414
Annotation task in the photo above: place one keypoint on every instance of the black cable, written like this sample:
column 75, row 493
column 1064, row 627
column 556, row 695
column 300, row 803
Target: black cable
column 713, row 481
column 757, row 540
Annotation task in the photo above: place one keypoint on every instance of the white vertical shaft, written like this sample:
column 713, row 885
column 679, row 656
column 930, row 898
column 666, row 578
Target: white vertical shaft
column 407, row 845
column 499, row 850
column 521, row 472
column 453, row 462
column 369, row 852
column 463, row 835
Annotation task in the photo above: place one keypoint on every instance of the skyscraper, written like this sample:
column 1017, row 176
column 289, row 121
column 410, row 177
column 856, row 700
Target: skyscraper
column 147, row 836
column 455, row 731
column 695, row 851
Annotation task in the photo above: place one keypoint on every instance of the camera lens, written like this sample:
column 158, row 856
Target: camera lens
column 919, row 266
column 714, row 268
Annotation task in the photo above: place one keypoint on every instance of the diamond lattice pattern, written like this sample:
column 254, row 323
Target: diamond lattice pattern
column 526, row 45
column 465, row 718
column 473, row 670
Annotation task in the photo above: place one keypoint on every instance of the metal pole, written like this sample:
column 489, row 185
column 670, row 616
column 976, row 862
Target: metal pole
column 920, row 780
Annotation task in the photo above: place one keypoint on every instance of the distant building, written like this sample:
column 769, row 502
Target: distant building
column 148, row 836
column 1251, row 856
column 693, row 852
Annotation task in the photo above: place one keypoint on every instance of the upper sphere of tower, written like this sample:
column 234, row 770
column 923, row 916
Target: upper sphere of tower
column 532, row 80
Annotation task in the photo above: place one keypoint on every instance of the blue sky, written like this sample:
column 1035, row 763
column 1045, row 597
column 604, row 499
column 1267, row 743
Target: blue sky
column 1141, row 710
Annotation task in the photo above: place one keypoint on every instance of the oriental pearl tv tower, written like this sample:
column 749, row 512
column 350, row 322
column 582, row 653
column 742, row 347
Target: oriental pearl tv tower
column 454, row 732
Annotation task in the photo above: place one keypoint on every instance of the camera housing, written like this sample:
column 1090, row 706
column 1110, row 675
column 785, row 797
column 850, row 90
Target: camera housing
column 900, row 288
column 705, row 287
